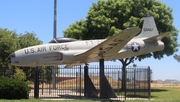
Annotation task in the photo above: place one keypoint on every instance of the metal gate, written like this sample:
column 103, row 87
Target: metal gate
column 76, row 82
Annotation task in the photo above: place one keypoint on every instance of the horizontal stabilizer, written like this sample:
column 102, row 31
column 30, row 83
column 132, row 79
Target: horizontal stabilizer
column 157, row 37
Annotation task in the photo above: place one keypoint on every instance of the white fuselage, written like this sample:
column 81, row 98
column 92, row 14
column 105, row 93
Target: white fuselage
column 64, row 53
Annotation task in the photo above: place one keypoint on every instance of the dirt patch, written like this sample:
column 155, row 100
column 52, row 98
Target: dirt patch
column 76, row 82
column 153, row 85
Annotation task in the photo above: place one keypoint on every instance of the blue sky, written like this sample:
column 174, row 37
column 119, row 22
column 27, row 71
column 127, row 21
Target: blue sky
column 37, row 16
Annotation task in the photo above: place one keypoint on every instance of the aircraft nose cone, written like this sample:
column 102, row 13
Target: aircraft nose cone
column 10, row 57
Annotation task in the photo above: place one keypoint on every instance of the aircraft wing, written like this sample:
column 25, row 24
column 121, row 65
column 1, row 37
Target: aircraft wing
column 111, row 45
column 158, row 37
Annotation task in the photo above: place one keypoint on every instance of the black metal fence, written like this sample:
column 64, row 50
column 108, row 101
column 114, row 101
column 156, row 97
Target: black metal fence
column 76, row 82
column 82, row 83
column 6, row 72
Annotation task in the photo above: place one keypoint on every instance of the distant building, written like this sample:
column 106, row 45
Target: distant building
column 158, row 81
column 167, row 81
column 171, row 81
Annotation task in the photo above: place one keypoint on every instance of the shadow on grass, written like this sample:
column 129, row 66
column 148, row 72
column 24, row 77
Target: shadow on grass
column 158, row 90
column 89, row 98
column 112, row 101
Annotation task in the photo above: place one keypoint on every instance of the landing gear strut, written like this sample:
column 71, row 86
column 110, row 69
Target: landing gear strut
column 105, row 88
column 89, row 88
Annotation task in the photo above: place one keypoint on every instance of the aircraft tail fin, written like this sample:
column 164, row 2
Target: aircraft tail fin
column 149, row 28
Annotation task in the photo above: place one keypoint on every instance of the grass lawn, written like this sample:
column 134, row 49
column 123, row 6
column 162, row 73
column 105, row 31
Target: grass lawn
column 168, row 94
column 163, row 95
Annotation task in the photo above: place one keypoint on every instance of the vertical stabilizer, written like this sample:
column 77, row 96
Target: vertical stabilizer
column 149, row 27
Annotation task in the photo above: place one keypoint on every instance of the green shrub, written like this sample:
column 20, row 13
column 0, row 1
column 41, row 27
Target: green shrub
column 13, row 89
column 19, row 74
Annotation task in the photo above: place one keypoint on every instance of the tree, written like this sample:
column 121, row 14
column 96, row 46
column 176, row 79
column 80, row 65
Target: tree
column 10, row 41
column 8, row 44
column 26, row 40
column 108, row 17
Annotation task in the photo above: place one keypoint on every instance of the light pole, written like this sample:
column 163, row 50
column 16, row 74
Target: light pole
column 54, row 36
column 55, row 19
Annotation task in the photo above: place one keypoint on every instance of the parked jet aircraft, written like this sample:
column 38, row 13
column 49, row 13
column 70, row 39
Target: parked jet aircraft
column 76, row 52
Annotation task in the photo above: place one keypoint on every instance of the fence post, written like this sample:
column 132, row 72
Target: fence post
column 135, row 81
column 149, row 82
column 85, row 80
column 118, row 83
column 54, row 77
column 36, row 83
column 76, row 82
column 4, row 71
column 80, row 81
column 125, row 74
column 42, row 83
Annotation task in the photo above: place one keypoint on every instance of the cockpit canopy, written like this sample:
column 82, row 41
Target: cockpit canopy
column 62, row 40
